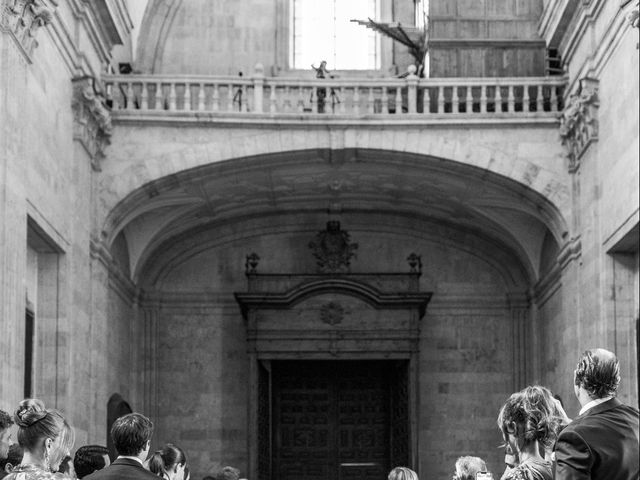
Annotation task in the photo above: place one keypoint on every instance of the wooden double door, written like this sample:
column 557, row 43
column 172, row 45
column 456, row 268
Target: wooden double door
column 338, row 420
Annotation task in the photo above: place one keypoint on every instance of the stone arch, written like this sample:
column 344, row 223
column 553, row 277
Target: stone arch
column 156, row 23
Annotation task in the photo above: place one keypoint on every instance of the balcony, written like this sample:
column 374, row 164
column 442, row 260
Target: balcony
column 261, row 99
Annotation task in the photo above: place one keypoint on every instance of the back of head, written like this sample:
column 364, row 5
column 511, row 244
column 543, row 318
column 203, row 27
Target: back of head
column 130, row 434
column 228, row 473
column 598, row 372
column 36, row 424
column 402, row 473
column 88, row 459
column 165, row 459
column 467, row 467
column 530, row 415
column 5, row 420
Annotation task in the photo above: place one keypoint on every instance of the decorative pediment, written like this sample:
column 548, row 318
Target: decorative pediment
column 23, row 18
column 579, row 122
column 91, row 119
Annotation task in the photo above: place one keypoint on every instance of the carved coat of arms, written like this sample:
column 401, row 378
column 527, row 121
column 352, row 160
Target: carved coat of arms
column 333, row 249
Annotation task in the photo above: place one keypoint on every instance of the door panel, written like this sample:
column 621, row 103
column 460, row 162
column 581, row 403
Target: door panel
column 332, row 419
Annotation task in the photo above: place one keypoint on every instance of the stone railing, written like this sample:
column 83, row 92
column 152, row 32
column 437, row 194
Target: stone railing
column 391, row 98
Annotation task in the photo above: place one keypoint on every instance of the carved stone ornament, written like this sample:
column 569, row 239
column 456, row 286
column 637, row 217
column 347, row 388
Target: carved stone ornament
column 23, row 18
column 332, row 313
column 579, row 122
column 91, row 119
column 633, row 15
column 333, row 249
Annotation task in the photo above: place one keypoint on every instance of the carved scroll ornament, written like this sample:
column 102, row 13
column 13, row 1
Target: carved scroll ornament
column 24, row 18
column 579, row 122
column 91, row 119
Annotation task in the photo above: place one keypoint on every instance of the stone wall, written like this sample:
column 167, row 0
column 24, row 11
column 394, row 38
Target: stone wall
column 467, row 361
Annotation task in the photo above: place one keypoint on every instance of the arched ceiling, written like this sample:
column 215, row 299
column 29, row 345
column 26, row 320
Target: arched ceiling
column 426, row 189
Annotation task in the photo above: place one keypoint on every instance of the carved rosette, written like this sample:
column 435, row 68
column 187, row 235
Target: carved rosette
column 579, row 122
column 333, row 249
column 91, row 119
column 24, row 18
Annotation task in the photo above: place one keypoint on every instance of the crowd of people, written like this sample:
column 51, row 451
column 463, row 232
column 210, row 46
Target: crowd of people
column 541, row 441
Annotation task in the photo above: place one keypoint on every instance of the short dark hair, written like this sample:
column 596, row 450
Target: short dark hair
column 14, row 457
column 88, row 459
column 5, row 420
column 163, row 460
column 598, row 372
column 130, row 433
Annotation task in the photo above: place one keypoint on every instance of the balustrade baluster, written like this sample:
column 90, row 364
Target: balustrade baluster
column 201, row 97
column 144, row 97
column 230, row 96
column 287, row 100
column 356, row 100
column 440, row 100
column 469, row 100
column 215, row 98
column 172, row 97
column 110, row 97
column 370, row 101
column 426, row 101
column 455, row 100
column 301, row 99
column 158, row 98
column 244, row 100
column 398, row 100
column 525, row 99
column 187, row 97
column 483, row 99
column 511, row 101
column 315, row 101
column 385, row 101
column 498, row 99
column 130, row 96
column 273, row 106
column 342, row 109
column 539, row 99
column 554, row 98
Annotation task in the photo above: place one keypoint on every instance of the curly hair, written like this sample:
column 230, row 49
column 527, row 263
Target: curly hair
column 5, row 420
column 530, row 415
column 598, row 372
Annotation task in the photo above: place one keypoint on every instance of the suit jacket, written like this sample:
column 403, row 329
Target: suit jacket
column 601, row 444
column 123, row 469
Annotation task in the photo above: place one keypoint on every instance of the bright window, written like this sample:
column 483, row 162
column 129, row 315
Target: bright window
column 322, row 30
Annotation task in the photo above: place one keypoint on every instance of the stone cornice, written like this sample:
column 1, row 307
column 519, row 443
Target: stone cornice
column 22, row 19
column 579, row 122
column 92, row 119
column 570, row 251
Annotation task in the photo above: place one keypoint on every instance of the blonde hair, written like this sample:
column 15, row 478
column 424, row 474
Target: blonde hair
column 402, row 473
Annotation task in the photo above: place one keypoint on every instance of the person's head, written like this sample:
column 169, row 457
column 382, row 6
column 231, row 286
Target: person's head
column 467, row 467
column 168, row 462
column 14, row 458
column 5, row 433
column 598, row 374
column 90, row 458
column 66, row 466
column 529, row 417
column 43, row 433
column 228, row 473
column 402, row 473
column 131, row 435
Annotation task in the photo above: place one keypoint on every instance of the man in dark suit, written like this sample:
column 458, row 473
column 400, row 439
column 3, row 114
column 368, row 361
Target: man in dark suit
column 131, row 436
column 601, row 443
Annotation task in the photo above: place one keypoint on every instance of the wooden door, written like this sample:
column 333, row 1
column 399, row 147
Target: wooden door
column 332, row 419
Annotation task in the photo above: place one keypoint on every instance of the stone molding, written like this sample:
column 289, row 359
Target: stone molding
column 633, row 14
column 24, row 18
column 91, row 119
column 579, row 122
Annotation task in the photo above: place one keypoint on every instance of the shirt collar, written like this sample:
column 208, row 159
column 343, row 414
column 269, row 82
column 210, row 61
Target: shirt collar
column 132, row 458
column 593, row 403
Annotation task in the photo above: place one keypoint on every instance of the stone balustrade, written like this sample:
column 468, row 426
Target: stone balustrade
column 391, row 98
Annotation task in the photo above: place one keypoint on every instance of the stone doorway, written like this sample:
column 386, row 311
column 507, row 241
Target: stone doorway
column 338, row 420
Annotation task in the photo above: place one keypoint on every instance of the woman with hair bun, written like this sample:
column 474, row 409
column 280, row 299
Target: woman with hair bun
column 529, row 420
column 46, row 438
column 169, row 462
